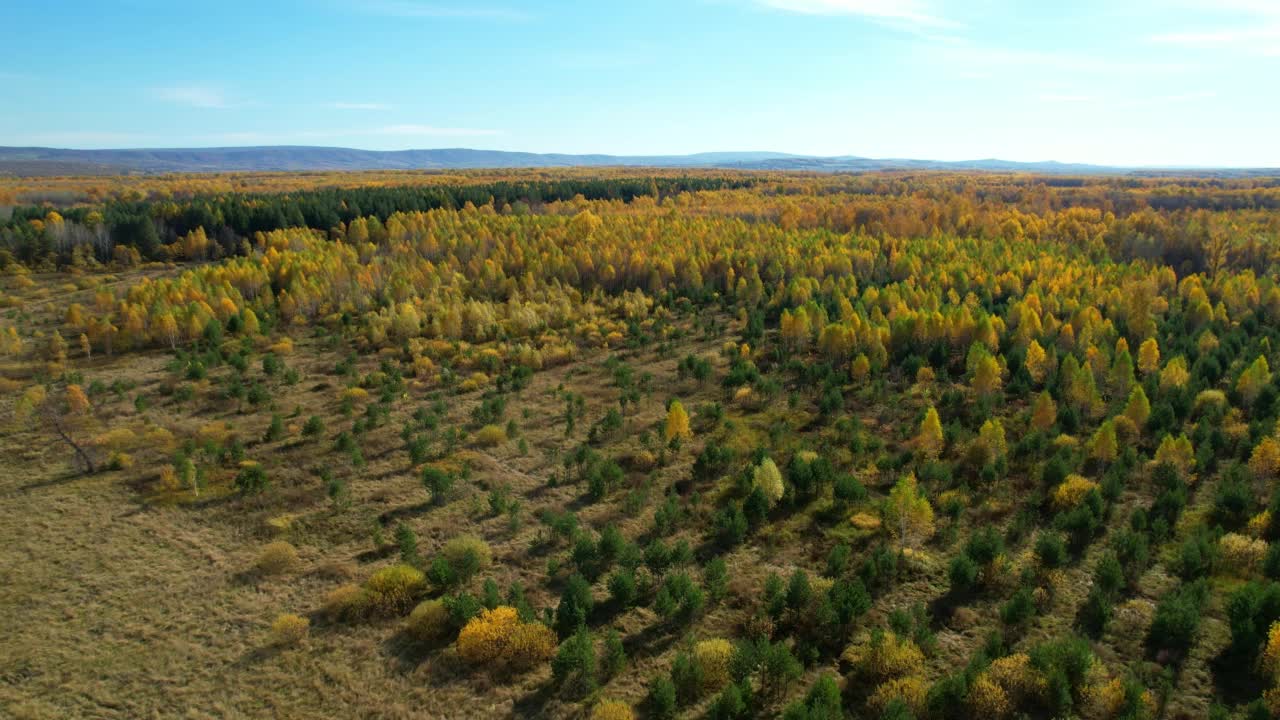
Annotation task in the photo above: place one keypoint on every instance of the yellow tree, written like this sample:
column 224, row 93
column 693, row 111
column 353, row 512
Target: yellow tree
column 907, row 513
column 860, row 367
column 167, row 329
column 251, row 324
column 930, row 439
column 1149, row 356
column 1044, row 413
column 1037, row 362
column 1138, row 408
column 677, row 426
column 1103, row 446
column 769, row 478
column 991, row 435
column 1254, row 379
column 1175, row 373
column 1264, row 462
column 1177, row 452
column 986, row 376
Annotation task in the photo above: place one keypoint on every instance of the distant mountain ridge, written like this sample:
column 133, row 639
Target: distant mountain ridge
column 34, row 161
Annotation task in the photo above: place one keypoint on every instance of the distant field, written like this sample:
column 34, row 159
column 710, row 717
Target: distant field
column 555, row 444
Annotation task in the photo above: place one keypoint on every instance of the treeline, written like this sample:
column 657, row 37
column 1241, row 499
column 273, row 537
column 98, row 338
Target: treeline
column 36, row 234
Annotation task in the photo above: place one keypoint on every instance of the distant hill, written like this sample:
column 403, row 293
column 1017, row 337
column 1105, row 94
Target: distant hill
column 30, row 161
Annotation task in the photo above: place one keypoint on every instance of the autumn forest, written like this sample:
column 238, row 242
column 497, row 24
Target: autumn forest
column 612, row 444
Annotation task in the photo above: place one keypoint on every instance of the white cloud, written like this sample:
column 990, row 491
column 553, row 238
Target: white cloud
column 431, row 131
column 359, row 106
column 905, row 11
column 192, row 95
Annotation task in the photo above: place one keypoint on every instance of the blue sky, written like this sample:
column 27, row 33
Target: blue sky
column 1155, row 82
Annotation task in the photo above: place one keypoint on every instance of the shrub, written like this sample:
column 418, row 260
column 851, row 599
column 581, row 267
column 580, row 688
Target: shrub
column 467, row 555
column 988, row 700
column 769, row 479
column 277, row 558
column 712, row 657
column 393, row 590
column 910, row 691
column 611, row 710
column 251, row 479
column 490, row 436
column 1072, row 491
column 530, row 643
column 1242, row 554
column 289, row 629
column 345, row 603
column 499, row 637
column 884, row 656
column 429, row 620
column 1015, row 675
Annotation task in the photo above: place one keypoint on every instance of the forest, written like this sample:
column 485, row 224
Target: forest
column 620, row 444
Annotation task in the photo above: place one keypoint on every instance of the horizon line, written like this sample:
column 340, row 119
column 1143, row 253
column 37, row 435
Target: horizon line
column 770, row 153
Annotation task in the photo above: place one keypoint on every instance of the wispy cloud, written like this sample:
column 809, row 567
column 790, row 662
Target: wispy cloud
column 1129, row 101
column 197, row 96
column 968, row 59
column 75, row 138
column 458, row 11
column 359, row 106
column 1066, row 98
column 432, row 131
column 1243, row 26
column 1167, row 99
column 1263, row 40
column 910, row 12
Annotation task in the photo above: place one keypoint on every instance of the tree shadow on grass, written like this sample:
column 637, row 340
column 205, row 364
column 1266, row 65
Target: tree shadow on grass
column 390, row 516
column 63, row 479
